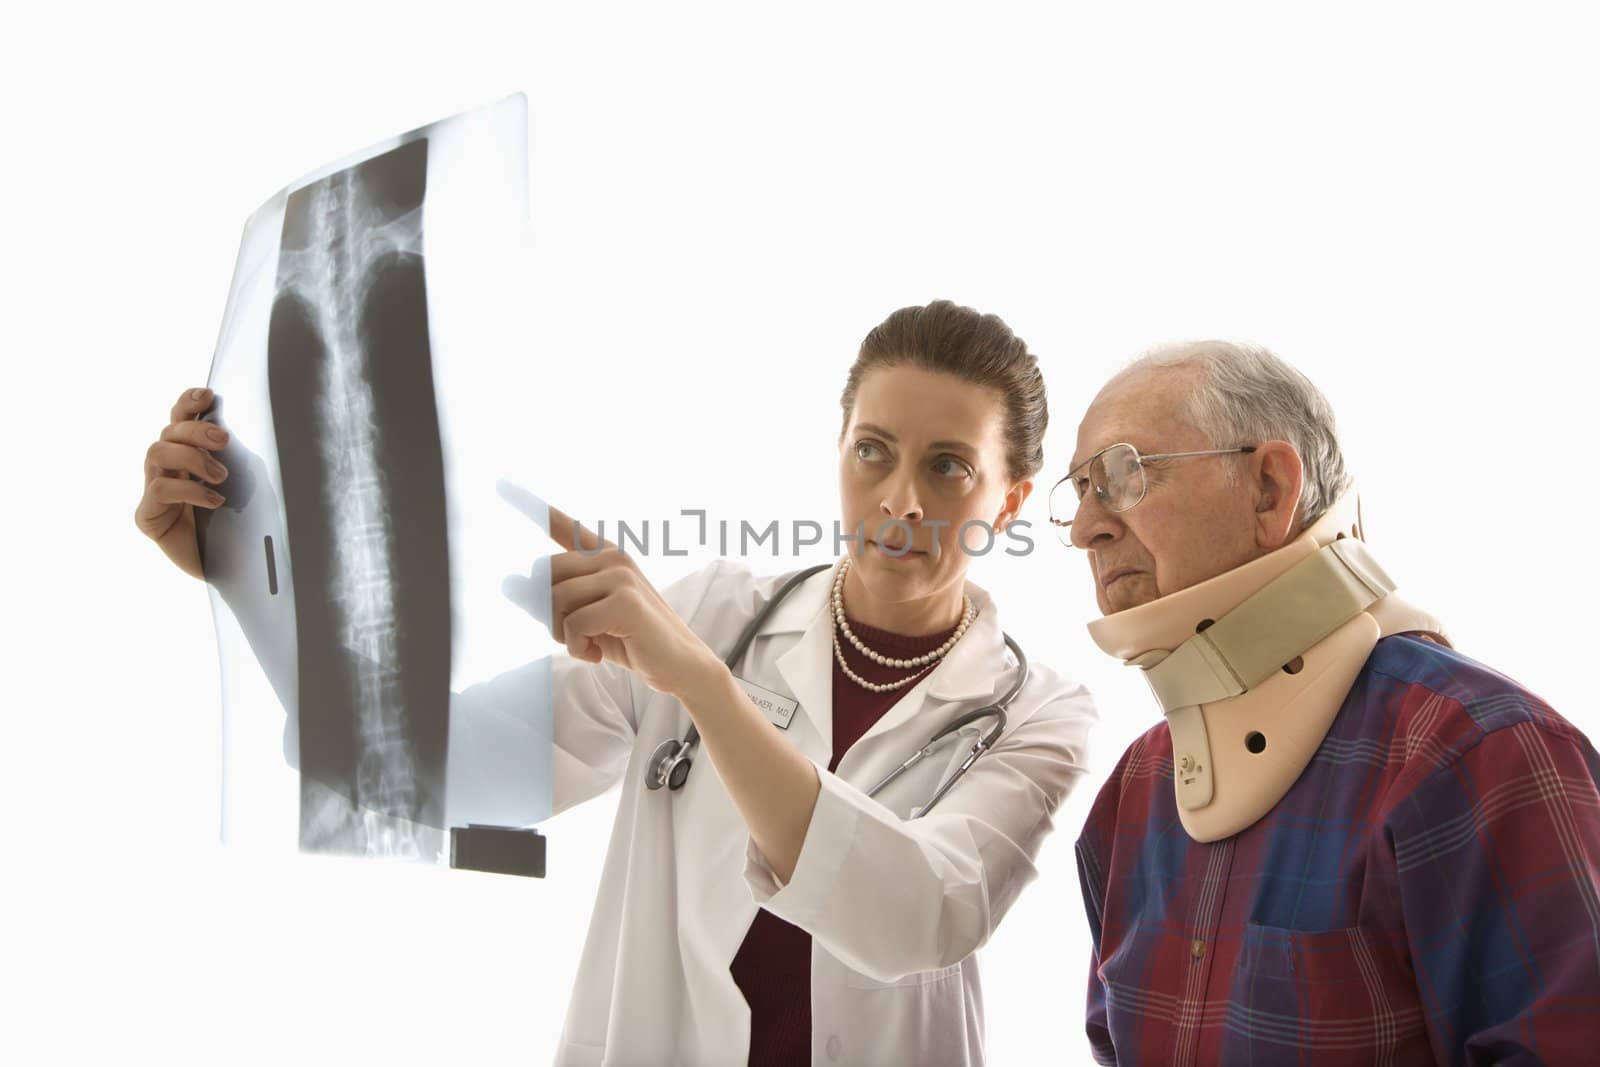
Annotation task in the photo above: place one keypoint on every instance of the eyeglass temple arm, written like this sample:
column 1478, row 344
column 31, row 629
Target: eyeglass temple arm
column 1143, row 459
column 1154, row 455
column 1204, row 452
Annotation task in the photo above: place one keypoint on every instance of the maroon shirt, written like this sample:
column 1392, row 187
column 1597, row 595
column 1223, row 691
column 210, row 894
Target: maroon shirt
column 773, row 965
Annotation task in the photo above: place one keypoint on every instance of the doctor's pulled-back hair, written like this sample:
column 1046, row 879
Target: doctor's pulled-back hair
column 946, row 337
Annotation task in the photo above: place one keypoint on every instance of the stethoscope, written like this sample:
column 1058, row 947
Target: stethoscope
column 670, row 763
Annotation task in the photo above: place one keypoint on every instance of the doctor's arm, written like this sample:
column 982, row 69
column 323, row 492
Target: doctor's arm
column 890, row 896
column 772, row 784
column 605, row 611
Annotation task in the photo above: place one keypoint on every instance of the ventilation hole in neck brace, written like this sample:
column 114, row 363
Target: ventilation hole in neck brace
column 1294, row 665
column 1255, row 741
column 1204, row 623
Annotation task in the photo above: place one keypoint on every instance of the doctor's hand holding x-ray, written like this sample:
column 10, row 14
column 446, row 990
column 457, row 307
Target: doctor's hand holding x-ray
column 177, row 468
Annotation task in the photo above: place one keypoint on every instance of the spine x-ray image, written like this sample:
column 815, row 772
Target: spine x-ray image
column 350, row 382
column 342, row 562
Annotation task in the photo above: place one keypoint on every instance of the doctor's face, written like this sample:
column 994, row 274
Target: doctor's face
column 928, row 449
column 1192, row 524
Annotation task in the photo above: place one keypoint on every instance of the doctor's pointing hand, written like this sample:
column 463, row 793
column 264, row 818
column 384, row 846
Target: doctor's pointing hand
column 604, row 609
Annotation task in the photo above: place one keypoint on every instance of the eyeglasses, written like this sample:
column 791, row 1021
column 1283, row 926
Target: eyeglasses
column 1116, row 473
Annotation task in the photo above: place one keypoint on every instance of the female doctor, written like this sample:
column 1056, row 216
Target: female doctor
column 764, row 909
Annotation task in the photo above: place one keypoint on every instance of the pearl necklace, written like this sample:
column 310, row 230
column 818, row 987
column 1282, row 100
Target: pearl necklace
column 968, row 613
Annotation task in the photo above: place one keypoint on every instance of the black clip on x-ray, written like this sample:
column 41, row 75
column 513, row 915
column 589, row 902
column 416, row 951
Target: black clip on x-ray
column 497, row 850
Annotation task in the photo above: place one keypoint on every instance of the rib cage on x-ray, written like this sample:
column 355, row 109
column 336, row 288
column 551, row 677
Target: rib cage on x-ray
column 364, row 501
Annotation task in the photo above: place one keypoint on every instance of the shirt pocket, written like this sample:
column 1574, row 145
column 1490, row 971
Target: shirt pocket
column 927, row 1018
column 1348, row 992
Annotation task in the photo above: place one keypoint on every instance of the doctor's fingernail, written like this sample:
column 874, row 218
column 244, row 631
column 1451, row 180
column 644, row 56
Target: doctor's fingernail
column 198, row 394
column 218, row 436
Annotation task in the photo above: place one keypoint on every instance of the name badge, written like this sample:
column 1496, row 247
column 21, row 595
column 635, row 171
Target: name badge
column 778, row 709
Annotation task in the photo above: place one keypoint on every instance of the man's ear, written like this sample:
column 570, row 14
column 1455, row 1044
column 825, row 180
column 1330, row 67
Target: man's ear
column 1278, row 475
column 1012, row 507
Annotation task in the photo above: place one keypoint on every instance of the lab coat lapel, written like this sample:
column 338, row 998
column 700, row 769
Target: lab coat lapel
column 807, row 668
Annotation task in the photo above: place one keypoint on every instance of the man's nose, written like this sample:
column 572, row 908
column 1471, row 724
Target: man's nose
column 1093, row 526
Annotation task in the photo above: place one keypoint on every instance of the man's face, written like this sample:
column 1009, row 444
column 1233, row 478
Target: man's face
column 1191, row 525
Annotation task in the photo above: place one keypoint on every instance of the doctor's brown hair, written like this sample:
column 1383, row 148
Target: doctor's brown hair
column 947, row 337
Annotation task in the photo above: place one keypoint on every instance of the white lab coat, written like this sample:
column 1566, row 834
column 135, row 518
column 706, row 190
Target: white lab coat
column 895, row 907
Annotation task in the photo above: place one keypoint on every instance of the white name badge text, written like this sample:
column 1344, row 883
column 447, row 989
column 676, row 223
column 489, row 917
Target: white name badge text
column 778, row 709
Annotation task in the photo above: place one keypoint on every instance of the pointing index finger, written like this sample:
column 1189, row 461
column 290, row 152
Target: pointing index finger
column 557, row 523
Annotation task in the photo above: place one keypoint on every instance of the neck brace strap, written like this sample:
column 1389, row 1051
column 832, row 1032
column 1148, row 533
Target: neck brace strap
column 1252, row 643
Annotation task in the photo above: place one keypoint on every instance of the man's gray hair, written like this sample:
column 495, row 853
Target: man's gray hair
column 1246, row 395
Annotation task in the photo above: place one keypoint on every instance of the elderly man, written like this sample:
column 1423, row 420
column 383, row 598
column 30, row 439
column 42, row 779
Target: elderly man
column 1347, row 842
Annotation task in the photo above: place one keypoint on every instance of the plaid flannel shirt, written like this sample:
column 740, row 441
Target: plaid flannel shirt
column 1427, row 891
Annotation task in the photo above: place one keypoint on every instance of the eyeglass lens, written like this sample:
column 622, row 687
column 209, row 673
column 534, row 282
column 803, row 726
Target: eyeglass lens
column 1115, row 477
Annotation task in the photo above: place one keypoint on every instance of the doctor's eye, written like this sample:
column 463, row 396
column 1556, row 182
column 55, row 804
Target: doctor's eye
column 870, row 452
column 951, row 467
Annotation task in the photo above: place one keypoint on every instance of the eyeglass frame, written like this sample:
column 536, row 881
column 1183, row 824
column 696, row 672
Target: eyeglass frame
column 1142, row 460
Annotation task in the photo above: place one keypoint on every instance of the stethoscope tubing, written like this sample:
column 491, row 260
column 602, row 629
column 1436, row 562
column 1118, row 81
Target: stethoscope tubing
column 670, row 763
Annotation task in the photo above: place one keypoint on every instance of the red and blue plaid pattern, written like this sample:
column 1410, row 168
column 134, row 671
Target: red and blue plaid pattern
column 1427, row 891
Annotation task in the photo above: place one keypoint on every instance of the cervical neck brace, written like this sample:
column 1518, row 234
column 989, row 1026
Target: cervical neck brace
column 1219, row 657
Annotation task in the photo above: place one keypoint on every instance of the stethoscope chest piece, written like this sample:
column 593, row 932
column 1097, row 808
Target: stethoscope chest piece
column 669, row 765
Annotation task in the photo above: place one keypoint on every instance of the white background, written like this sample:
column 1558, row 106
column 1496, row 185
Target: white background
column 1400, row 200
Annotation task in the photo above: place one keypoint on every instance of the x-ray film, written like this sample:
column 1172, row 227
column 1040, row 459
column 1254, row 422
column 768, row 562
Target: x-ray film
column 355, row 567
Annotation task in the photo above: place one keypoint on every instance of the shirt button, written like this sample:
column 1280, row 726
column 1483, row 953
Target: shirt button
column 1197, row 949
column 833, row 1046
